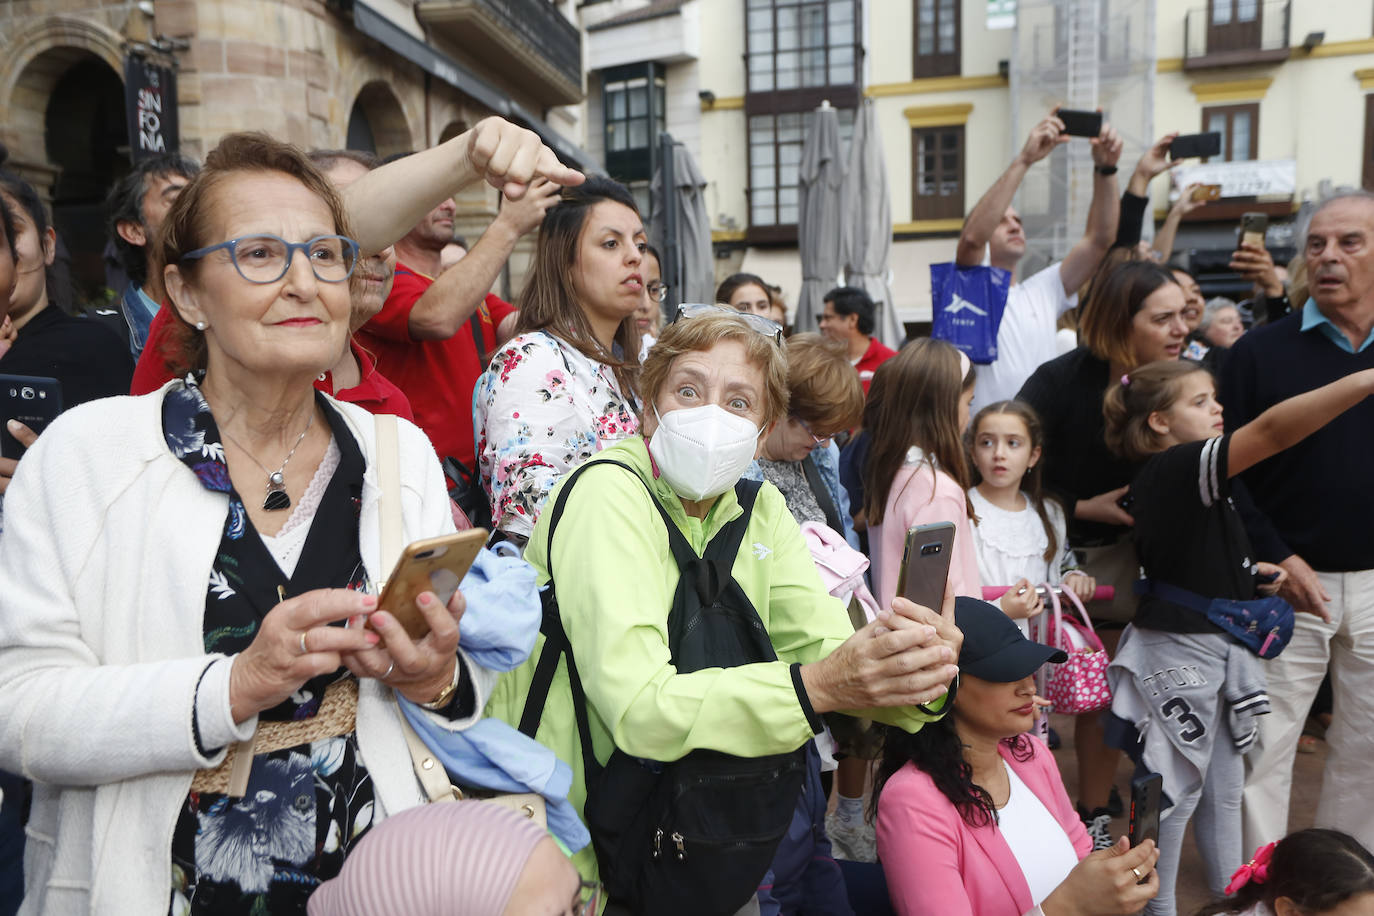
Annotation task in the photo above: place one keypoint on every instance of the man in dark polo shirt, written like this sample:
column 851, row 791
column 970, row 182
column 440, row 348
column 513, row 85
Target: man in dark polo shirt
column 1319, row 497
column 423, row 338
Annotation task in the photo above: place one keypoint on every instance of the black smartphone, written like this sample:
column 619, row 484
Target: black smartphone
column 1267, row 578
column 32, row 400
column 1080, row 123
column 1145, row 794
column 925, row 564
column 1190, row 146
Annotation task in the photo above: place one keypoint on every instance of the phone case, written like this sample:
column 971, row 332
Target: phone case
column 32, row 400
column 1191, row 146
column 925, row 564
column 431, row 565
column 1145, row 794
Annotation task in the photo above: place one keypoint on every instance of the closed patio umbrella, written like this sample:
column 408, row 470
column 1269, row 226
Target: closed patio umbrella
column 680, row 228
column 866, row 237
column 821, row 179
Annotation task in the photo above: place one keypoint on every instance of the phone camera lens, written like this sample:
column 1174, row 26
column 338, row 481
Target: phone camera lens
column 27, row 393
column 930, row 550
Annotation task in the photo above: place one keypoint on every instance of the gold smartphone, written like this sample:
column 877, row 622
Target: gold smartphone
column 925, row 564
column 430, row 565
column 1252, row 229
column 1207, row 192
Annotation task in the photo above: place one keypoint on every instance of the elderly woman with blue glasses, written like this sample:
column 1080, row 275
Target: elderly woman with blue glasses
column 203, row 732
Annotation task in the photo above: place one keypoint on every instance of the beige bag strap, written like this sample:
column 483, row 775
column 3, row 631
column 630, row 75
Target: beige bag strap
column 433, row 779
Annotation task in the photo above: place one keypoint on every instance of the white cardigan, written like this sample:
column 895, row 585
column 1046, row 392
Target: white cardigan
column 104, row 560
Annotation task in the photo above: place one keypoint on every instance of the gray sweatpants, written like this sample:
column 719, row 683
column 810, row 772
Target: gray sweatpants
column 1215, row 811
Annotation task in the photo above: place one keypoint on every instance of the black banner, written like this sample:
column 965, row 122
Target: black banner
column 150, row 98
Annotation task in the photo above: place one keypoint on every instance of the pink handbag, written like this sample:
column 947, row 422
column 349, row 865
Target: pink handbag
column 1078, row 685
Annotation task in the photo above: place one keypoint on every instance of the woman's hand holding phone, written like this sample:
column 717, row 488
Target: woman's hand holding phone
column 418, row 669
column 1106, row 883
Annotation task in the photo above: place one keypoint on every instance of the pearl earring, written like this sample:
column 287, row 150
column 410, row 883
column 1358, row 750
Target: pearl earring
column 200, row 325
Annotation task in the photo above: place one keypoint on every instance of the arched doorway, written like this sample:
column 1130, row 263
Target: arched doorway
column 86, row 139
column 377, row 123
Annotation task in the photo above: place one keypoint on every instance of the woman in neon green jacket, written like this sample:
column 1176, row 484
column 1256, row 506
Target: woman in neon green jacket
column 715, row 384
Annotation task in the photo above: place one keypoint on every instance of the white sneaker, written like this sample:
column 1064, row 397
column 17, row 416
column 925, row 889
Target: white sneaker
column 853, row 842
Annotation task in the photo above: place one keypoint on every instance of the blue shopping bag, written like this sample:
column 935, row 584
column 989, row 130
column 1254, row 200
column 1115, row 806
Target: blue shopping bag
column 967, row 305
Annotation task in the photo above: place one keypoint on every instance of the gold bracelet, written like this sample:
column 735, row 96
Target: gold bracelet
column 445, row 695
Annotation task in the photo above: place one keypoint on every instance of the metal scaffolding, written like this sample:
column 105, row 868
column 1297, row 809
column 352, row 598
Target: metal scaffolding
column 1080, row 54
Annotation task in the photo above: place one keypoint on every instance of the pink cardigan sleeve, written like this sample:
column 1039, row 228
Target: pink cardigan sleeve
column 918, row 842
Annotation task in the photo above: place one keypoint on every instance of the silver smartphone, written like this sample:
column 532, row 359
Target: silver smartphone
column 925, row 564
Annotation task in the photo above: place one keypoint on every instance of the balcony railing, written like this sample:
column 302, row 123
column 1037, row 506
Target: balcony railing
column 527, row 41
column 1235, row 33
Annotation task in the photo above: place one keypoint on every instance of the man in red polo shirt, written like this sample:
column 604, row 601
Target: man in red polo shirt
column 849, row 318
column 423, row 338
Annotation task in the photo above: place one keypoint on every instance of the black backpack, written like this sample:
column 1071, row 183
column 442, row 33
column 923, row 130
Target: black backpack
column 696, row 835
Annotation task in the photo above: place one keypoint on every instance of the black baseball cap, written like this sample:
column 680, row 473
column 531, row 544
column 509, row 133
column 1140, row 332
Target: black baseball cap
column 994, row 647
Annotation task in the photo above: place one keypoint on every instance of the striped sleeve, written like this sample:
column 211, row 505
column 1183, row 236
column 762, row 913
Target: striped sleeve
column 1211, row 472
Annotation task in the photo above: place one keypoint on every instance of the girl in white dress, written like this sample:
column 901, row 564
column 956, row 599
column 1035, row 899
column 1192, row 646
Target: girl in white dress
column 1019, row 534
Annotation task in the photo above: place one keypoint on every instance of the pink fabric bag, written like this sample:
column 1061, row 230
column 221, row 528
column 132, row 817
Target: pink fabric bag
column 841, row 566
column 1079, row 684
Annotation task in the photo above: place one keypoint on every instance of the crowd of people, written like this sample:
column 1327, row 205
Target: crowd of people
column 682, row 675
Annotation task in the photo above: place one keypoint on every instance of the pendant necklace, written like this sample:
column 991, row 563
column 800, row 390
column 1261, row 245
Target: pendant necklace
column 276, row 498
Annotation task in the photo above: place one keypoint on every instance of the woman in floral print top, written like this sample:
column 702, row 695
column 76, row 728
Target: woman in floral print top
column 563, row 388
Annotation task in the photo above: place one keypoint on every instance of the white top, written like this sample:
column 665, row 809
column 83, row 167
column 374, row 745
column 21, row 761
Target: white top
column 1011, row 545
column 104, row 560
column 1040, row 845
column 1065, row 339
column 1026, row 338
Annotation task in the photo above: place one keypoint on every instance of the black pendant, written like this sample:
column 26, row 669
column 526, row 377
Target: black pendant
column 276, row 494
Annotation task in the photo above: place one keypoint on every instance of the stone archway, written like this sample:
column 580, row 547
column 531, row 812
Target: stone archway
column 377, row 122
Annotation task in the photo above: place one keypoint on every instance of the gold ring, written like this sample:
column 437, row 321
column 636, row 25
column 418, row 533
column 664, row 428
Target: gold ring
column 1138, row 875
column 304, row 650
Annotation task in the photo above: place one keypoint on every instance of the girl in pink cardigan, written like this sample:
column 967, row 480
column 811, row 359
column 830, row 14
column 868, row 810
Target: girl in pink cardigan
column 916, row 472
column 973, row 819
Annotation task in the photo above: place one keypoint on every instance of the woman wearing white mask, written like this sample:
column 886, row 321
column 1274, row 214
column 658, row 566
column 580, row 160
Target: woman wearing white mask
column 715, row 385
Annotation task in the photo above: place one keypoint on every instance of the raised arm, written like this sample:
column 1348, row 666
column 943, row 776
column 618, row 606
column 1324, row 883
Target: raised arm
column 456, row 293
column 1164, row 238
column 987, row 213
column 1100, row 233
column 1289, row 422
column 387, row 202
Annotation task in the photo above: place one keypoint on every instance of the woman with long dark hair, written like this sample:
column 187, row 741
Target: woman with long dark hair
column 1313, row 872
column 972, row 814
column 563, row 387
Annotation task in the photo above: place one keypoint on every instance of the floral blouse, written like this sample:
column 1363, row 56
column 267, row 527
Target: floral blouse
column 305, row 806
column 540, row 410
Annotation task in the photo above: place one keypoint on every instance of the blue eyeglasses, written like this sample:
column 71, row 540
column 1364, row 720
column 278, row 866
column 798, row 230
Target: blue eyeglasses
column 267, row 258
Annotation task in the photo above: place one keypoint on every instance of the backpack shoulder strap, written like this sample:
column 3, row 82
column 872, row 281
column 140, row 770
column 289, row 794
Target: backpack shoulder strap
column 822, row 494
column 479, row 339
column 725, row 545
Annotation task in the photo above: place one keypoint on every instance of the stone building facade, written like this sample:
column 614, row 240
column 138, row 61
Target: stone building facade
column 381, row 74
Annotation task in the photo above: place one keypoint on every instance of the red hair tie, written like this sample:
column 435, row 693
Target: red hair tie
column 1257, row 869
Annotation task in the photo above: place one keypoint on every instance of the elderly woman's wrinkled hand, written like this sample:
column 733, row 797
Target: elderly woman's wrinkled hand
column 509, row 158
column 419, row 670
column 296, row 643
column 904, row 658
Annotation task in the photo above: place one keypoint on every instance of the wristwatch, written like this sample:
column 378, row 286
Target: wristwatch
column 1105, row 170
column 446, row 695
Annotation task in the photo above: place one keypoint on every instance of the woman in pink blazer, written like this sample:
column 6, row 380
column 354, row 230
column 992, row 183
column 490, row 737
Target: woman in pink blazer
column 973, row 819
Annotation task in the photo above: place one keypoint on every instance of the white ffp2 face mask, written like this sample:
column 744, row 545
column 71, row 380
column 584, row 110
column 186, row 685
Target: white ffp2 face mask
column 702, row 451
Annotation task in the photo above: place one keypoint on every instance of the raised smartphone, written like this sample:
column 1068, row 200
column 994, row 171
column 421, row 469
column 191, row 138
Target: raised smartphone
column 1145, row 793
column 1189, row 146
column 1205, row 192
column 34, row 401
column 430, row 565
column 1080, row 123
column 925, row 564
column 1252, row 228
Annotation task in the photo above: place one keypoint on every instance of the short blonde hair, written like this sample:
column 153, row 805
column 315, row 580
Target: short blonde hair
column 700, row 334
column 824, row 388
